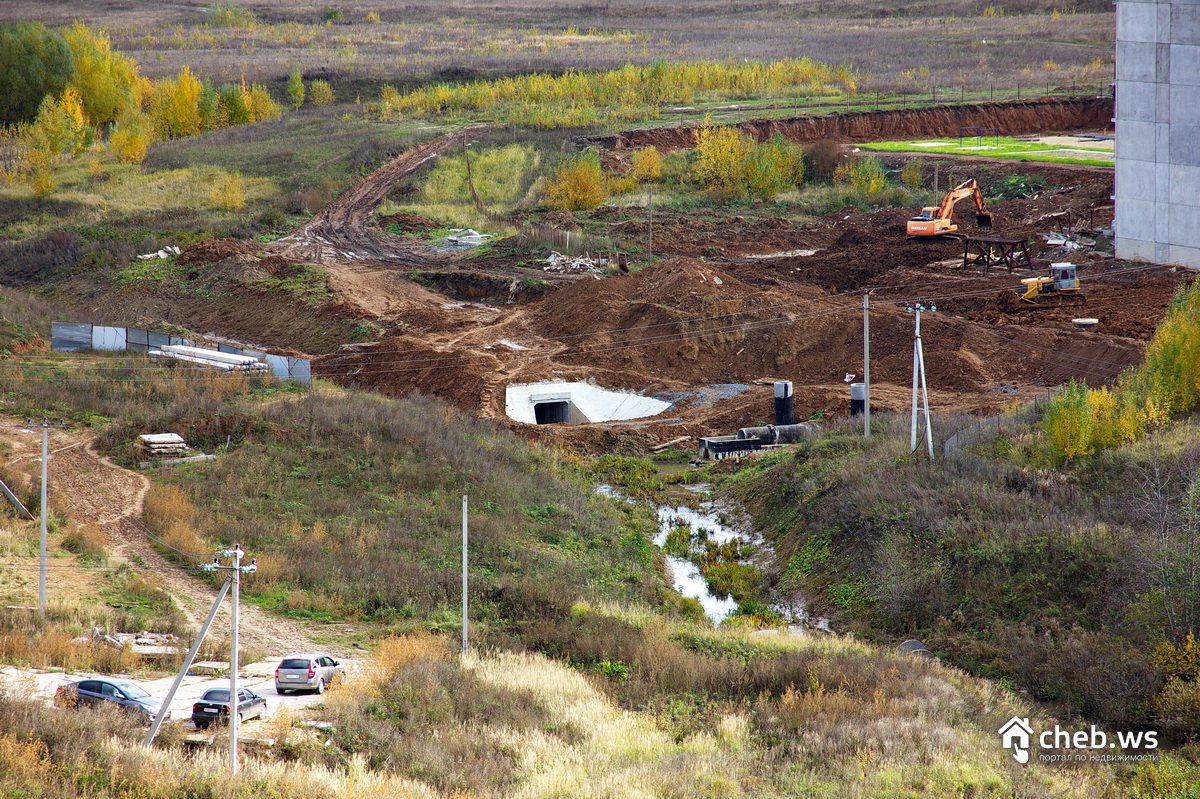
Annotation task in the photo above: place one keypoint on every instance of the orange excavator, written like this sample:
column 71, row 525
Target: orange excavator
column 939, row 220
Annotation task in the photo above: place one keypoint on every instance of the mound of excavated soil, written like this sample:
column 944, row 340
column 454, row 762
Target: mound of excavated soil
column 211, row 251
column 408, row 223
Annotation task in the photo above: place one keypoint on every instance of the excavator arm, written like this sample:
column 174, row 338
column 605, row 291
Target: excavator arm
column 940, row 220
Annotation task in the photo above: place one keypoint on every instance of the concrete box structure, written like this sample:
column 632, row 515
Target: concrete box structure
column 1158, row 131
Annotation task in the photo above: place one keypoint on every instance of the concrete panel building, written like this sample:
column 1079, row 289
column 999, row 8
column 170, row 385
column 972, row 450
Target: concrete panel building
column 1158, row 131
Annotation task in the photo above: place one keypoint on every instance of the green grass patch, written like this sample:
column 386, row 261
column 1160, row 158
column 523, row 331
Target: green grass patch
column 1003, row 147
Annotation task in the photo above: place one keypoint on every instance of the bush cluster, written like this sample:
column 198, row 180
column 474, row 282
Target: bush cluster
column 1081, row 421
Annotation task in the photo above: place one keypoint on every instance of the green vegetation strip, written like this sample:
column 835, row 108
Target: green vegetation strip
column 1003, row 147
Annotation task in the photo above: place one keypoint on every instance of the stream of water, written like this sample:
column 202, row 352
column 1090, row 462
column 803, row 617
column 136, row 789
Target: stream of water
column 686, row 576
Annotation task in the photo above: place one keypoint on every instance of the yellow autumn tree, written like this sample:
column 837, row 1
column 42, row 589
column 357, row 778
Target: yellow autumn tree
column 106, row 80
column 721, row 156
column 177, row 105
column 579, row 184
column 646, row 165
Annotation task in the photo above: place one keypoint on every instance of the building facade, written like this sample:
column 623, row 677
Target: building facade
column 1158, row 131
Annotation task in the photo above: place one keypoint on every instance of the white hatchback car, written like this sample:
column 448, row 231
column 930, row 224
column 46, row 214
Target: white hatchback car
column 306, row 672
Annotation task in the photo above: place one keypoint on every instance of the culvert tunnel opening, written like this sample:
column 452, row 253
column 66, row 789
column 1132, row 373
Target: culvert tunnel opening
column 553, row 412
column 576, row 403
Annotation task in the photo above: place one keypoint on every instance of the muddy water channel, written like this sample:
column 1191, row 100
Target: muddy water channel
column 693, row 529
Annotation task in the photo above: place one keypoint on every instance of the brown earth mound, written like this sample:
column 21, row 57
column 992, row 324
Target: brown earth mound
column 211, row 251
column 408, row 223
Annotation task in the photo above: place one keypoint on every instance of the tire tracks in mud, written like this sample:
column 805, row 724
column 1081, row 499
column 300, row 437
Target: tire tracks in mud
column 342, row 231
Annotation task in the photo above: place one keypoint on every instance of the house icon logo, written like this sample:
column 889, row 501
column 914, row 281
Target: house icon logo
column 1014, row 735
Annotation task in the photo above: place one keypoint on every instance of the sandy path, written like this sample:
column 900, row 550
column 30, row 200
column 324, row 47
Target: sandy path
column 88, row 487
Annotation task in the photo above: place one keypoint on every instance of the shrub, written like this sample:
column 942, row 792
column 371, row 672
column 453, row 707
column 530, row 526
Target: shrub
column 1177, row 708
column 500, row 175
column 35, row 63
column 721, row 155
column 231, row 16
column 295, row 87
column 320, row 93
column 863, row 175
column 822, row 159
column 773, row 167
column 229, row 194
column 912, row 174
column 579, row 184
column 646, row 165
column 130, row 139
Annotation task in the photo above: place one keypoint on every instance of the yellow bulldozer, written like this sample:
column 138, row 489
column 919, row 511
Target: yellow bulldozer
column 1058, row 289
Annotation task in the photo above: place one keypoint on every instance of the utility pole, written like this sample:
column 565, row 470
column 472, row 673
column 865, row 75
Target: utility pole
column 919, row 372
column 650, row 223
column 235, row 580
column 187, row 663
column 236, row 553
column 867, row 364
column 45, row 425
column 464, row 577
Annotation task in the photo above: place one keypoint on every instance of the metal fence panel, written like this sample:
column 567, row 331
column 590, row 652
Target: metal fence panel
column 278, row 365
column 108, row 339
column 229, row 349
column 157, row 340
column 300, row 370
column 70, row 336
column 137, row 340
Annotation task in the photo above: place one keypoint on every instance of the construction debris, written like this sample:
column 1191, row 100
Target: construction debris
column 468, row 237
column 225, row 361
column 165, row 252
column 564, row 264
column 162, row 445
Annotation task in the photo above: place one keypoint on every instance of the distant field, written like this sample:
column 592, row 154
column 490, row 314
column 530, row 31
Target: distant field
column 1079, row 151
column 978, row 48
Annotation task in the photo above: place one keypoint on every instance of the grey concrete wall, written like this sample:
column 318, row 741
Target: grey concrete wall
column 1158, row 131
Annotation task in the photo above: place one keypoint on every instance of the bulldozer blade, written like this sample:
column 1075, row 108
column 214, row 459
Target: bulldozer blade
column 983, row 222
column 1048, row 302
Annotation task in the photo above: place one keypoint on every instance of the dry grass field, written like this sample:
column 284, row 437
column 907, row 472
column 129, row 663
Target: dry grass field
column 978, row 45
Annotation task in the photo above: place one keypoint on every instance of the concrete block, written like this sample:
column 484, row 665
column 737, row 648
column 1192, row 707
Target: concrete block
column 1185, row 186
column 1134, row 181
column 1184, row 256
column 1186, row 58
column 1185, row 24
column 1137, row 22
column 1135, row 140
column 1162, row 102
column 1135, row 218
column 1137, row 101
column 1184, row 147
column 1162, row 184
column 1137, row 61
column 1185, row 104
column 1162, row 140
column 1134, row 249
column 1162, row 62
column 1183, row 226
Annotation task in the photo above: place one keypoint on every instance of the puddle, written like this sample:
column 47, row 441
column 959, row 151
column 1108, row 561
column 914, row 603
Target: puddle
column 556, row 402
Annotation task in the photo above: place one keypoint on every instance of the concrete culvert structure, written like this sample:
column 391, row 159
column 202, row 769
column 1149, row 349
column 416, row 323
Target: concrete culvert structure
column 558, row 402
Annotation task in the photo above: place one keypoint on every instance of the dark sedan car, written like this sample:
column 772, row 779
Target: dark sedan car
column 214, row 707
column 123, row 693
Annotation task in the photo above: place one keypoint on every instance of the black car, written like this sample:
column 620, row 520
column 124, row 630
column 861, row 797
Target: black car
column 214, row 707
column 123, row 693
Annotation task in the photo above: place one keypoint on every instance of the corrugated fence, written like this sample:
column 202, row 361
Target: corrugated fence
column 81, row 336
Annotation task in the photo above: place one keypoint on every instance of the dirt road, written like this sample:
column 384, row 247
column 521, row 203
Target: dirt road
column 342, row 232
column 88, row 487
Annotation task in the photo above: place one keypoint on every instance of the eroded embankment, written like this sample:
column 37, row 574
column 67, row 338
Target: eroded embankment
column 1011, row 119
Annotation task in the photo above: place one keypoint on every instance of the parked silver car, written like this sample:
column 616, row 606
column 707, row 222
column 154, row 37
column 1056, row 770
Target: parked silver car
column 306, row 672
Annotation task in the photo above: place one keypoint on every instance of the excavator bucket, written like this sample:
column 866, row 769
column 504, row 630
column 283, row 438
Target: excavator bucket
column 983, row 221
